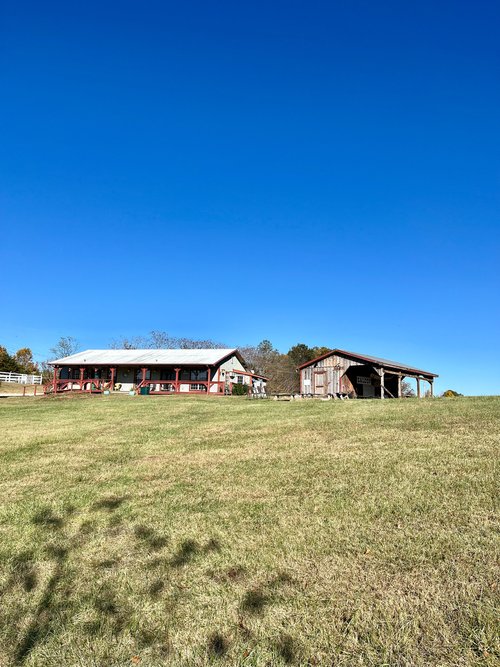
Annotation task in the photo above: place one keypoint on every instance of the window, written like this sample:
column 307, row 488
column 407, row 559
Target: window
column 239, row 379
column 166, row 386
column 197, row 387
column 167, row 374
column 194, row 374
column 64, row 374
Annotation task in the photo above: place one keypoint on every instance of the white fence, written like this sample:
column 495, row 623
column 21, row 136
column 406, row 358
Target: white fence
column 20, row 378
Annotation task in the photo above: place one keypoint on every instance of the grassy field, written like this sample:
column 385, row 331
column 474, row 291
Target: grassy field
column 193, row 531
column 14, row 388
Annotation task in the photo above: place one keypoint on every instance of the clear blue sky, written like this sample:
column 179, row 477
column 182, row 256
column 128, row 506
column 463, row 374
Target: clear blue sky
column 318, row 172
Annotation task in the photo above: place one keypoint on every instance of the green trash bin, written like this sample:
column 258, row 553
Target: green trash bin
column 144, row 391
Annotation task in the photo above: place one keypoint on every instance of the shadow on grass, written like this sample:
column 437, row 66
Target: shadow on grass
column 217, row 645
column 109, row 503
column 254, row 601
column 46, row 518
column 149, row 537
column 287, row 649
column 40, row 624
column 185, row 553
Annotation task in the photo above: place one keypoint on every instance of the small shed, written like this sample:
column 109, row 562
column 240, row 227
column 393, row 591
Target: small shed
column 340, row 372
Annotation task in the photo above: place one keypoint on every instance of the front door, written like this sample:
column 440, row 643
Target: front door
column 319, row 382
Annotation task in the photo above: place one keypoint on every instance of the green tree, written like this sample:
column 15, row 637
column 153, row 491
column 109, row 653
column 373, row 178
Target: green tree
column 24, row 359
column 8, row 363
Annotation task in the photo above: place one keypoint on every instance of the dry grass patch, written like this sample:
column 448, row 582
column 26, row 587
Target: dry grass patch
column 195, row 531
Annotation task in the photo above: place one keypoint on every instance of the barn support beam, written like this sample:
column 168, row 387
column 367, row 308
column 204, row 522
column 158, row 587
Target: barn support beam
column 382, row 383
column 431, row 383
column 418, row 388
column 400, row 382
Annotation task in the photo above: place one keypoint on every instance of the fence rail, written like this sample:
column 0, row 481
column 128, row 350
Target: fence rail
column 20, row 378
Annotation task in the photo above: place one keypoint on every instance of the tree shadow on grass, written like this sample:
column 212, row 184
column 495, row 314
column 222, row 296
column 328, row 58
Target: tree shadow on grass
column 185, row 553
column 109, row 503
column 218, row 645
column 148, row 536
column 46, row 518
column 287, row 649
column 40, row 623
column 254, row 601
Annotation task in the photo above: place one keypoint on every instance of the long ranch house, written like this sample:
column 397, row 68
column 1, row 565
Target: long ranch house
column 340, row 372
column 212, row 371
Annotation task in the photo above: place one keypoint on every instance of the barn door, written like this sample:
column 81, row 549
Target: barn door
column 319, row 382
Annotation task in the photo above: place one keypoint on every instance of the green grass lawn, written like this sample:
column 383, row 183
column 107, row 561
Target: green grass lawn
column 196, row 531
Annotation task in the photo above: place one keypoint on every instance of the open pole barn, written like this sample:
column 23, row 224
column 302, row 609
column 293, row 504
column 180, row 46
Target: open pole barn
column 343, row 373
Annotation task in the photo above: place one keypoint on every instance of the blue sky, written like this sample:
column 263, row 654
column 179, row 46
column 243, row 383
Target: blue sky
column 318, row 172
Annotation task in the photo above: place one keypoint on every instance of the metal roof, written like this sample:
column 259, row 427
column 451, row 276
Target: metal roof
column 378, row 361
column 148, row 357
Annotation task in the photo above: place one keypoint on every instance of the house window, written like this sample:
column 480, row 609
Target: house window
column 64, row 374
column 194, row 374
column 239, row 379
column 197, row 387
column 167, row 374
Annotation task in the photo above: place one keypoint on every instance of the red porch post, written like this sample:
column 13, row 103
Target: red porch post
column 177, row 370
column 82, row 370
column 208, row 380
column 112, row 383
column 54, row 381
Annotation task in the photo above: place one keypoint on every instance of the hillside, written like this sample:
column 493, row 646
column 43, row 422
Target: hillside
column 189, row 531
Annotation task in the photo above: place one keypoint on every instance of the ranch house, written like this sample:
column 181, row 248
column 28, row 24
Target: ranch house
column 340, row 373
column 211, row 371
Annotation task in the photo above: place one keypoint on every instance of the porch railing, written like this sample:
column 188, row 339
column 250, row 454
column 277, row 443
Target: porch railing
column 174, row 387
column 89, row 385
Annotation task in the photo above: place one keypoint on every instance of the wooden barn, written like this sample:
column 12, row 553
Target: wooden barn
column 340, row 373
column 208, row 371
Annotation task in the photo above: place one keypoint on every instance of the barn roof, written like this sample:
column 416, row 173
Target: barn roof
column 206, row 357
column 377, row 361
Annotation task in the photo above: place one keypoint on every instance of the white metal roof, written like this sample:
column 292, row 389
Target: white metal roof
column 147, row 357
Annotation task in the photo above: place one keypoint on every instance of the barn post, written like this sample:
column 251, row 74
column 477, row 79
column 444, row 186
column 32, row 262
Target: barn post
column 400, row 381
column 208, row 380
column 143, row 371
column 112, row 383
column 382, row 383
column 177, row 379
column 418, row 388
column 82, row 370
column 54, row 381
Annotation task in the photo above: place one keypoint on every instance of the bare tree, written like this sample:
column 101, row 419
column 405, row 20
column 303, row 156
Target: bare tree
column 406, row 390
column 65, row 347
column 161, row 340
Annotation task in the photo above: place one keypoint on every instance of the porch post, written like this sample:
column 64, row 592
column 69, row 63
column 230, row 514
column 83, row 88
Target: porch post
column 400, row 381
column 382, row 383
column 418, row 387
column 431, row 382
column 208, row 380
column 112, row 384
column 82, row 370
column 54, row 381
column 177, row 370
column 143, row 370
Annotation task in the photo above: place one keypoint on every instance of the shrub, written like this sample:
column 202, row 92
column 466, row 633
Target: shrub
column 240, row 390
